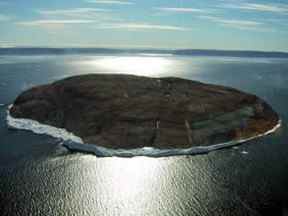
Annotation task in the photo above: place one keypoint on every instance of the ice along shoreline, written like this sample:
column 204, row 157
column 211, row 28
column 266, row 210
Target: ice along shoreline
column 76, row 144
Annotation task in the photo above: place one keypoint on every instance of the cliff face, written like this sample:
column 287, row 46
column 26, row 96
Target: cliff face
column 124, row 111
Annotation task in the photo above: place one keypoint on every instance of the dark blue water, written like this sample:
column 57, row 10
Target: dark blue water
column 39, row 177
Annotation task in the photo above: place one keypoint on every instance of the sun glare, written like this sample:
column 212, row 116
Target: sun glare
column 125, row 179
column 145, row 66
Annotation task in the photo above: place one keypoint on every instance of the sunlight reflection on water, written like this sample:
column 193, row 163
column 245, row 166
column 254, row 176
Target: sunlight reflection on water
column 137, row 65
column 128, row 184
column 135, row 186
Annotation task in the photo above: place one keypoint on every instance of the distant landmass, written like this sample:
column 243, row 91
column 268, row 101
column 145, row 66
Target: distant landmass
column 180, row 52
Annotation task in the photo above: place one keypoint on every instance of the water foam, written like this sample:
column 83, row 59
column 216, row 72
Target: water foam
column 75, row 143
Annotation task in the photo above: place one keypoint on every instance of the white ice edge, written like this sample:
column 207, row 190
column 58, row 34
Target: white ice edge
column 75, row 143
column 38, row 128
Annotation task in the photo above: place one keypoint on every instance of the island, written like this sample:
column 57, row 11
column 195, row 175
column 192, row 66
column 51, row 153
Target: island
column 132, row 112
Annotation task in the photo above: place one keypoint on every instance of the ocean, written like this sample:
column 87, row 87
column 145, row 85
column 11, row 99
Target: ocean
column 38, row 176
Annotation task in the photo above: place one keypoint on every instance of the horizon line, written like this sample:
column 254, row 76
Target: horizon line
column 143, row 48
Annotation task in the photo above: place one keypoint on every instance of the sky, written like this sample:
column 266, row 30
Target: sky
column 169, row 24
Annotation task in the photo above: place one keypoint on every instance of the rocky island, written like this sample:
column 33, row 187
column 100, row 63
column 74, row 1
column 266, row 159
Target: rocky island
column 130, row 112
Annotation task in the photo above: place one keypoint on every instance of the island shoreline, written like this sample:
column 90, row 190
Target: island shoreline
column 76, row 144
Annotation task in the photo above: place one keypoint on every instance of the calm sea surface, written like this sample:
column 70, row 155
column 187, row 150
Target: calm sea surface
column 39, row 177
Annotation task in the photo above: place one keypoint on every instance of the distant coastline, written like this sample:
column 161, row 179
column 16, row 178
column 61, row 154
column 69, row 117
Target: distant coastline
column 118, row 51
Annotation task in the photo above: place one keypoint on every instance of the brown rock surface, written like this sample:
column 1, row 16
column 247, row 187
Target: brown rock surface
column 125, row 111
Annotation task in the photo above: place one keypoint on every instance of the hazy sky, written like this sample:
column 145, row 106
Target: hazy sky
column 207, row 24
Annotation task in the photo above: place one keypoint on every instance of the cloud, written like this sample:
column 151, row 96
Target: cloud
column 181, row 10
column 101, row 19
column 6, row 44
column 142, row 26
column 115, row 25
column 273, row 8
column 234, row 23
column 110, row 2
column 98, row 14
column 4, row 18
column 73, row 12
column 44, row 23
column 241, row 24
